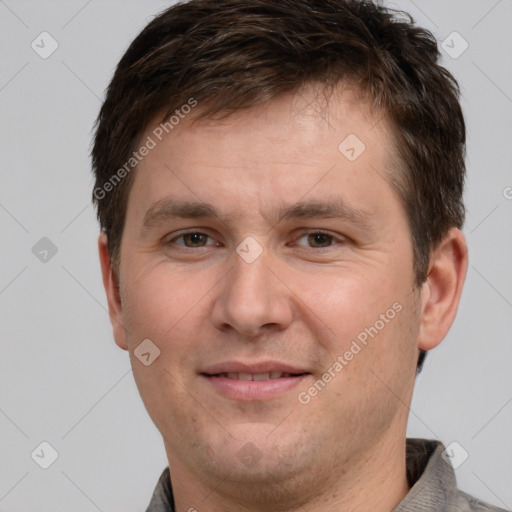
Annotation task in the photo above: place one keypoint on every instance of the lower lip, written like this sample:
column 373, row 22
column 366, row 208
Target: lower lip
column 252, row 390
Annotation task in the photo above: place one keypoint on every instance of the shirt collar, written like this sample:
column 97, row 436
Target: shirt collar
column 431, row 478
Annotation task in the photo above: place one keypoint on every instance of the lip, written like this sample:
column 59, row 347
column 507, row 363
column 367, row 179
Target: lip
column 253, row 390
column 259, row 367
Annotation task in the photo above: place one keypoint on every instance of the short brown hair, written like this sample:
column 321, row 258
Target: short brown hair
column 235, row 54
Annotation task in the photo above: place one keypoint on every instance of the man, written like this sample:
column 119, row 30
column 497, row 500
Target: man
column 279, row 186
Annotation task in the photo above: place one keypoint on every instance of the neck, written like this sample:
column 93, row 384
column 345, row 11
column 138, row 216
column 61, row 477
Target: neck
column 376, row 481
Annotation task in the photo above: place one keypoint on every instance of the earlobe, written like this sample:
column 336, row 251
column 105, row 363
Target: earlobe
column 441, row 292
column 112, row 290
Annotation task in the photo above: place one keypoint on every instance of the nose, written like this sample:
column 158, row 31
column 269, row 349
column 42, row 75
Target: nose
column 252, row 300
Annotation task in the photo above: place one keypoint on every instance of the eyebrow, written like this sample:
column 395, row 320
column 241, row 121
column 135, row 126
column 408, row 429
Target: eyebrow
column 167, row 209
column 333, row 208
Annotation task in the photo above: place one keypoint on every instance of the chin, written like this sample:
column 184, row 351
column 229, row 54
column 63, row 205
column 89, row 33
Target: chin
column 256, row 453
column 273, row 475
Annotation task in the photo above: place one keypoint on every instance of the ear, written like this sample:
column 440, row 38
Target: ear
column 113, row 296
column 440, row 293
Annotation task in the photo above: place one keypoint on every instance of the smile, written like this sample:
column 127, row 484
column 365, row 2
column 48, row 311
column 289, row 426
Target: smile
column 252, row 381
column 254, row 376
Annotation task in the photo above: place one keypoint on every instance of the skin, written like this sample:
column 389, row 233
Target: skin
column 302, row 301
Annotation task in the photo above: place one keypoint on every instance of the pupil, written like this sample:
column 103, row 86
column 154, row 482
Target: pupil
column 195, row 238
column 319, row 239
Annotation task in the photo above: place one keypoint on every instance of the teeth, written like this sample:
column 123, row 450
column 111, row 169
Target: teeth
column 261, row 376
column 254, row 376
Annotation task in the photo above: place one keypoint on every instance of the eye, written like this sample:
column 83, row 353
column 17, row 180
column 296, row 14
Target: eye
column 317, row 239
column 192, row 240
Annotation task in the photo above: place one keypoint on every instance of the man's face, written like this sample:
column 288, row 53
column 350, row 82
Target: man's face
column 256, row 253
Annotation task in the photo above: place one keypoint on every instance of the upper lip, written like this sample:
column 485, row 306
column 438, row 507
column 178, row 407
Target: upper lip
column 252, row 368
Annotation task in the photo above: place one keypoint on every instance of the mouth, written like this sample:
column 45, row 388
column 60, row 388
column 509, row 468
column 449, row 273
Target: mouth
column 256, row 376
column 253, row 382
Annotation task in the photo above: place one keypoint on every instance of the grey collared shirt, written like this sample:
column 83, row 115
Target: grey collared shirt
column 433, row 487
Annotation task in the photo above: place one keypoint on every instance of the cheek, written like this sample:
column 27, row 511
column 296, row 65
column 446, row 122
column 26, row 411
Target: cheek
column 385, row 363
column 161, row 301
column 347, row 301
column 377, row 375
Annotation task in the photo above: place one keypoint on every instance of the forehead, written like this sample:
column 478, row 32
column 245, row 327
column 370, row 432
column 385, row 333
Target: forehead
column 300, row 144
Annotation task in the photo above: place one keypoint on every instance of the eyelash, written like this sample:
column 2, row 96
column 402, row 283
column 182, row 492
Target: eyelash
column 306, row 232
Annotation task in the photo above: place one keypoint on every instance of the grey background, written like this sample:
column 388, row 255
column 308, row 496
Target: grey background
column 62, row 378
